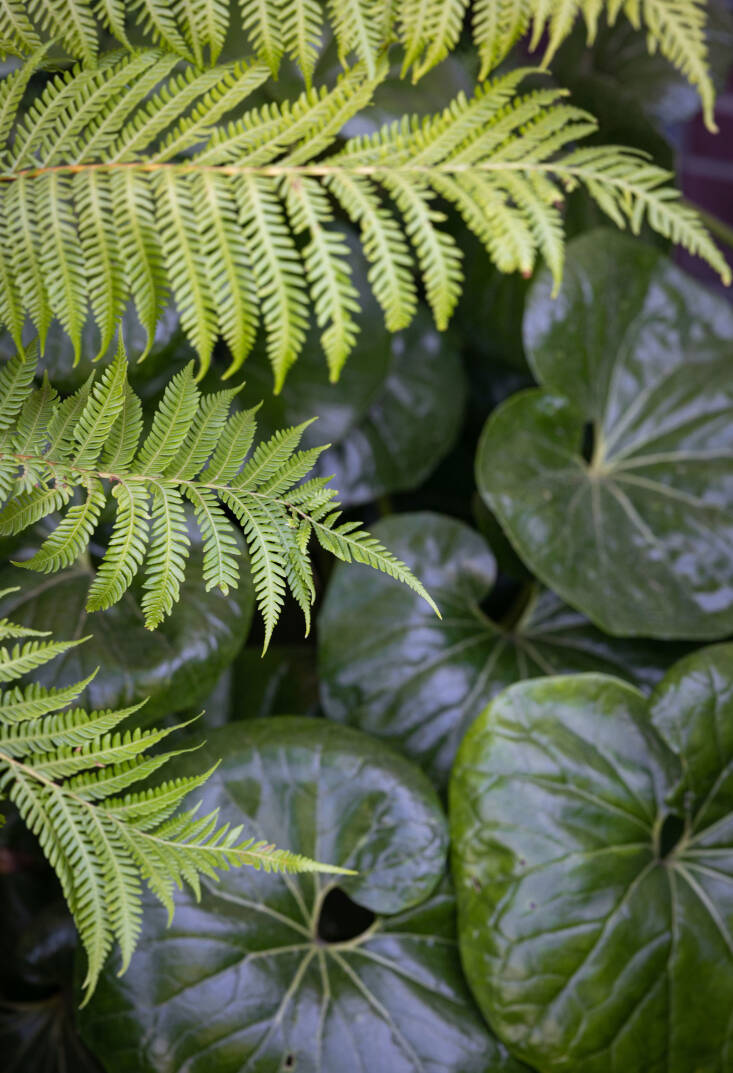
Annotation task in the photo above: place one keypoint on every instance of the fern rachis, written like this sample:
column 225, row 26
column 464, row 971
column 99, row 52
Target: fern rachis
column 194, row 452
column 68, row 772
column 146, row 193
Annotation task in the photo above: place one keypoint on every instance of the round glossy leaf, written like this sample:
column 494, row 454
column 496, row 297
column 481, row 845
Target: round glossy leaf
column 272, row 973
column 391, row 417
column 593, row 857
column 175, row 666
column 402, row 674
column 640, row 538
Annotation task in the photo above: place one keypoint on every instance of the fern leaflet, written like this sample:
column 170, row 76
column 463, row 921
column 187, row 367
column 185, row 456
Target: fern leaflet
column 68, row 772
column 428, row 29
column 110, row 195
column 195, row 452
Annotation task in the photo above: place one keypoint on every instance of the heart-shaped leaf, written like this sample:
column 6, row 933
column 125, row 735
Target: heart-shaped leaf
column 418, row 681
column 175, row 666
column 593, row 856
column 272, row 973
column 640, row 538
column 391, row 417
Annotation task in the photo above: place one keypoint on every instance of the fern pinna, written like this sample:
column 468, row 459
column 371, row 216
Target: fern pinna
column 68, row 771
column 427, row 29
column 79, row 452
column 127, row 180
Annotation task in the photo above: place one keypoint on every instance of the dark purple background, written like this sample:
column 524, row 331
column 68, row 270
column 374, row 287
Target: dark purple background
column 705, row 168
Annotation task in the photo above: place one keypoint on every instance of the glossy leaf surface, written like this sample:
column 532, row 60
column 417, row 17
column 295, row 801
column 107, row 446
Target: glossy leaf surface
column 37, row 938
column 175, row 666
column 593, row 855
column 388, row 668
column 391, row 417
column 266, row 973
column 639, row 538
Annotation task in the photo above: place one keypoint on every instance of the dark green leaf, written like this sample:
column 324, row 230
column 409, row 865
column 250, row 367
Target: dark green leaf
column 37, row 938
column 418, row 681
column 593, row 854
column 488, row 317
column 393, row 415
column 175, row 666
column 639, row 538
column 282, row 681
column 271, row 973
column 620, row 60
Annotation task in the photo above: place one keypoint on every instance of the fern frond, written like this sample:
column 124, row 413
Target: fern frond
column 678, row 29
column 72, row 535
column 358, row 28
column 429, row 30
column 159, row 19
column 18, row 35
column 335, row 299
column 126, row 549
column 277, row 269
column 228, row 265
column 16, row 378
column 73, row 21
column 24, row 658
column 263, row 22
column 194, row 451
column 25, row 237
column 68, row 772
column 148, row 190
column 350, row 543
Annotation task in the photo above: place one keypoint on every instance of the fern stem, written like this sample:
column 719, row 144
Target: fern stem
column 227, row 852
column 144, row 479
column 277, row 171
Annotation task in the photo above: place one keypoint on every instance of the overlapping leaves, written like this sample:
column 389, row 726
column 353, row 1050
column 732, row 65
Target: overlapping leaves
column 428, row 30
column 593, row 835
column 388, row 669
column 194, row 452
column 129, row 179
column 303, row 992
column 67, row 770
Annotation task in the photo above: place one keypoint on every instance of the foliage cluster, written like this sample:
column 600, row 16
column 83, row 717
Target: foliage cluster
column 384, row 217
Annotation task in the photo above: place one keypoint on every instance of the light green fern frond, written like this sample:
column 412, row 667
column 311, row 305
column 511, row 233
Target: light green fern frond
column 676, row 27
column 428, row 29
column 195, row 452
column 131, row 191
column 68, row 772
